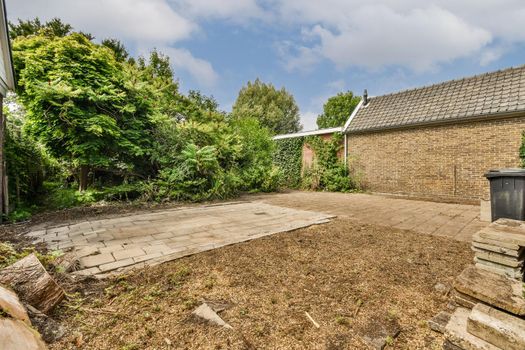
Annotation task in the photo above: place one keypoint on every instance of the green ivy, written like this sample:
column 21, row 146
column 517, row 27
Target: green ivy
column 327, row 173
column 288, row 157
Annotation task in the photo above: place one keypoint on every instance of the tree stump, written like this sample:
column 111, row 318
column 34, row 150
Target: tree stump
column 32, row 283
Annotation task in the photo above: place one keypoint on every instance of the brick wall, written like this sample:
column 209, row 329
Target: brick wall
column 444, row 162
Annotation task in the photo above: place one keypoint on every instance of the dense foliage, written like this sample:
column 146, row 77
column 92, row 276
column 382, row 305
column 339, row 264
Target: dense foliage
column 275, row 109
column 288, row 157
column 328, row 172
column 119, row 128
column 337, row 110
column 90, row 122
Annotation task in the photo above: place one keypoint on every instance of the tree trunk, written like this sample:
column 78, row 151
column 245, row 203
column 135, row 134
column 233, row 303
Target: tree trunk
column 83, row 178
column 30, row 280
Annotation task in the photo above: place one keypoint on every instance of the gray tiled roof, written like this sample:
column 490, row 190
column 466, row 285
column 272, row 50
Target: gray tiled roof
column 474, row 97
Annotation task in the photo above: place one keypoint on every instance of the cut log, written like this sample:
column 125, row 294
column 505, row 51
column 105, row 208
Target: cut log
column 32, row 283
column 17, row 335
column 68, row 262
column 11, row 306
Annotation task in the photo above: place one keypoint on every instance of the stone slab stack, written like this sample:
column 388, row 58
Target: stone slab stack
column 500, row 248
column 489, row 297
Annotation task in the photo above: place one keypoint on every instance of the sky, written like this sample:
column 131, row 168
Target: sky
column 314, row 49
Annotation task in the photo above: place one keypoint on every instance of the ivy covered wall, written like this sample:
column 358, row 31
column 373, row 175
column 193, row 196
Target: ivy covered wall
column 288, row 157
column 327, row 172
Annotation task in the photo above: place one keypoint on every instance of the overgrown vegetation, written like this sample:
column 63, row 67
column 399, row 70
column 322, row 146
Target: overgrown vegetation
column 328, row 171
column 90, row 123
column 288, row 157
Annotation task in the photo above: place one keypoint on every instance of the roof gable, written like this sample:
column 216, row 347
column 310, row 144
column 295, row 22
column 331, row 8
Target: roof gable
column 479, row 96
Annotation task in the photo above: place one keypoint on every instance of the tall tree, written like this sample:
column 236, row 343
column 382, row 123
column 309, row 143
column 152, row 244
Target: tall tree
column 337, row 110
column 121, row 54
column 31, row 27
column 79, row 102
column 274, row 109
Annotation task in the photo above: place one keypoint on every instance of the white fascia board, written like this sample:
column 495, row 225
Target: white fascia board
column 6, row 48
column 308, row 133
column 347, row 124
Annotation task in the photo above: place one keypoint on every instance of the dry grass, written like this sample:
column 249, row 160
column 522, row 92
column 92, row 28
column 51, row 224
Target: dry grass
column 351, row 278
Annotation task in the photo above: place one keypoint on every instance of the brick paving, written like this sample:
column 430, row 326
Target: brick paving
column 457, row 221
column 122, row 243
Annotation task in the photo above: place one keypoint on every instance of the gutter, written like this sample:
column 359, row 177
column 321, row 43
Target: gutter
column 308, row 133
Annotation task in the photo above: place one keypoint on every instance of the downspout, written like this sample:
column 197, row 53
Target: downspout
column 346, row 150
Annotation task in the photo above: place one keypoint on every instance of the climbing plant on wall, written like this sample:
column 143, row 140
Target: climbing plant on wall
column 288, row 157
column 328, row 172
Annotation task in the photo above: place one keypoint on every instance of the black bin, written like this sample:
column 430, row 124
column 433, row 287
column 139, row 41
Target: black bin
column 507, row 193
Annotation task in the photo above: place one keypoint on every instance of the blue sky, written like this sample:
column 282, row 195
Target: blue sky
column 313, row 48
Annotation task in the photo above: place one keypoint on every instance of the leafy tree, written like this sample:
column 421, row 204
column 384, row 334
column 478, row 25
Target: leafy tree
column 54, row 27
column 337, row 110
column 274, row 109
column 80, row 103
column 121, row 54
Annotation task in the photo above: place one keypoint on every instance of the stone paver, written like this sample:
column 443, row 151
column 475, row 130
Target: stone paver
column 145, row 239
column 117, row 244
column 456, row 221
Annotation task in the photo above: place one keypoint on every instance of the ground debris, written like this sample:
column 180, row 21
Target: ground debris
column 205, row 312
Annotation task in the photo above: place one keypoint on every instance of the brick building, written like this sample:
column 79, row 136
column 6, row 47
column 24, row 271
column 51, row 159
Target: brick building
column 438, row 141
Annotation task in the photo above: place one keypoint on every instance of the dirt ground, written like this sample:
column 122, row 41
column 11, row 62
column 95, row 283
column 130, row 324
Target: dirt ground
column 354, row 280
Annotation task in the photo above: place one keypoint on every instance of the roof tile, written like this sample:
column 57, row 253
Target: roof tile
column 478, row 96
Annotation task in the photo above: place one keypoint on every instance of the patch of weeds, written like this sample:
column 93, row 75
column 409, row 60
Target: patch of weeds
column 342, row 320
column 423, row 324
column 9, row 255
column 389, row 341
column 130, row 346
column 190, row 303
column 157, row 308
column 210, row 282
column 393, row 314
column 177, row 279
column 243, row 312
column 147, row 315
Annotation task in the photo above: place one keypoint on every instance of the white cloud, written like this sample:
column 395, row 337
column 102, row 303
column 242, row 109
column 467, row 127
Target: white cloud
column 408, row 33
column 309, row 120
column 200, row 69
column 144, row 24
column 233, row 10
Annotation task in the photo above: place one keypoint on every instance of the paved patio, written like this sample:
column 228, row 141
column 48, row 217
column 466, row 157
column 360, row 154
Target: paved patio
column 125, row 242
column 118, row 244
column 457, row 221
